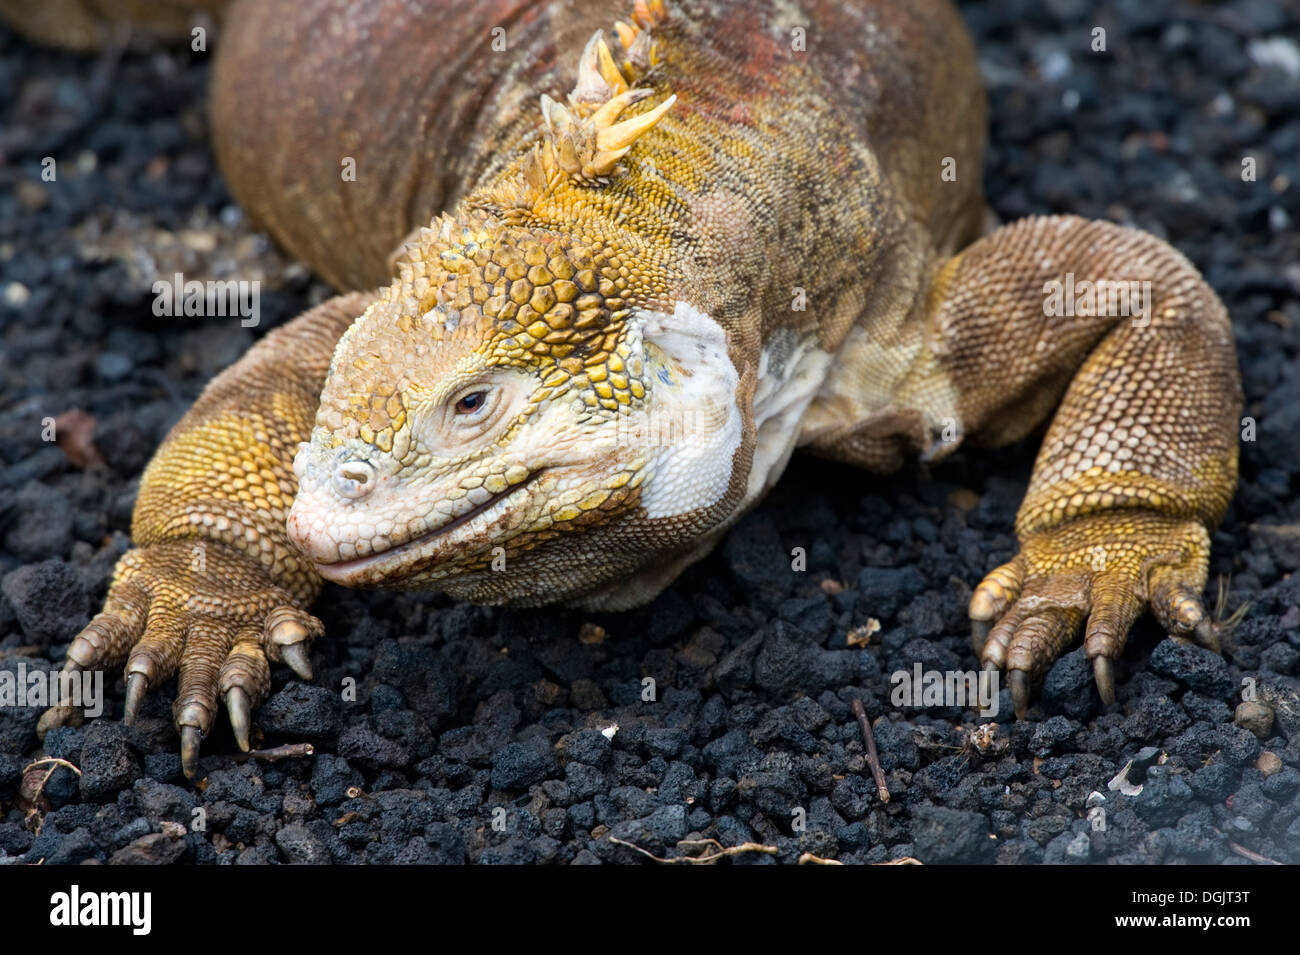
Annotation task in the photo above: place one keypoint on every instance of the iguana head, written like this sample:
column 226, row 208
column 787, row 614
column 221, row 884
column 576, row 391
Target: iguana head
column 513, row 420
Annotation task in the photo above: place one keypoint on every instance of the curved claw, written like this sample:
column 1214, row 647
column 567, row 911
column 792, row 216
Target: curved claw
column 1019, row 680
column 1103, row 670
column 56, row 716
column 979, row 635
column 240, row 708
column 1207, row 635
column 191, row 738
column 137, row 685
column 295, row 656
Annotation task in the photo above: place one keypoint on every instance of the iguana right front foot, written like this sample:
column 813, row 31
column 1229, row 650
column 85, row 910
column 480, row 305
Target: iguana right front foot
column 206, row 611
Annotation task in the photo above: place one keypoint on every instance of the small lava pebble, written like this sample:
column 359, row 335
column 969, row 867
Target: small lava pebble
column 302, row 710
column 50, row 601
column 107, row 763
column 1194, row 667
column 519, row 765
column 1256, row 717
column 943, row 835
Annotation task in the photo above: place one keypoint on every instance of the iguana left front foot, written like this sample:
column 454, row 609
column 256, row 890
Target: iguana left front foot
column 1100, row 572
column 1140, row 460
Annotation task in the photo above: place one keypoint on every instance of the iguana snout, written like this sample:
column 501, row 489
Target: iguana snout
column 366, row 520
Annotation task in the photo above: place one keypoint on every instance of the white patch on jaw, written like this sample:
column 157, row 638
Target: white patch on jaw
column 694, row 409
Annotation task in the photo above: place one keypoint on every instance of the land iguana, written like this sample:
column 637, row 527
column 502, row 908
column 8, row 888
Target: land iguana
column 680, row 245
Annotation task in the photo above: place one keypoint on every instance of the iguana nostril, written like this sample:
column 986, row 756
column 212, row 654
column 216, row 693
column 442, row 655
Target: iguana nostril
column 354, row 479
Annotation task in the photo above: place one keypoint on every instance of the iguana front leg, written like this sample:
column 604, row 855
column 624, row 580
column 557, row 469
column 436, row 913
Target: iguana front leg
column 1140, row 460
column 214, row 587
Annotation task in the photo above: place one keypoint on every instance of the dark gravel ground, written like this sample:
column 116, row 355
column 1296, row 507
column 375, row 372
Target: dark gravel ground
column 460, row 710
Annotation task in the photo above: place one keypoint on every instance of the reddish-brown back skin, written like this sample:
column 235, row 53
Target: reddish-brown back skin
column 414, row 93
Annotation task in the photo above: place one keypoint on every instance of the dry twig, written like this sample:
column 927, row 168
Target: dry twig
column 873, row 757
column 707, row 859
column 33, row 800
column 287, row 751
column 1252, row 856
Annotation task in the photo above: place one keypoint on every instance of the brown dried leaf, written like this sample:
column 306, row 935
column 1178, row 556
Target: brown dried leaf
column 74, row 433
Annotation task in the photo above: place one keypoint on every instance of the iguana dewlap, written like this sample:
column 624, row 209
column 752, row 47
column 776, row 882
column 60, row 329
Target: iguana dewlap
column 689, row 242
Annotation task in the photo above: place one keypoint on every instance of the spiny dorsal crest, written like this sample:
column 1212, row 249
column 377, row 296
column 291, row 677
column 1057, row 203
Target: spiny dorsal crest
column 585, row 140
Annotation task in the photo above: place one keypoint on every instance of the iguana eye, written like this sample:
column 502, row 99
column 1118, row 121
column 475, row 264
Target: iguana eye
column 471, row 402
column 469, row 410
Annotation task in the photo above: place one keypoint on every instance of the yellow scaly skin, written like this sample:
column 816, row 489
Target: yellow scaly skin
column 587, row 371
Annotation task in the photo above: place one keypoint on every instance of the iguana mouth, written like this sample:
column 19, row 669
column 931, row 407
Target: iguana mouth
column 339, row 571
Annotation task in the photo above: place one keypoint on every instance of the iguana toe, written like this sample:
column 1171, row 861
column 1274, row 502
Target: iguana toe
column 1103, row 672
column 104, row 642
column 108, row 637
column 1027, row 640
column 991, row 598
column 1177, row 604
column 245, row 681
column 289, row 634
